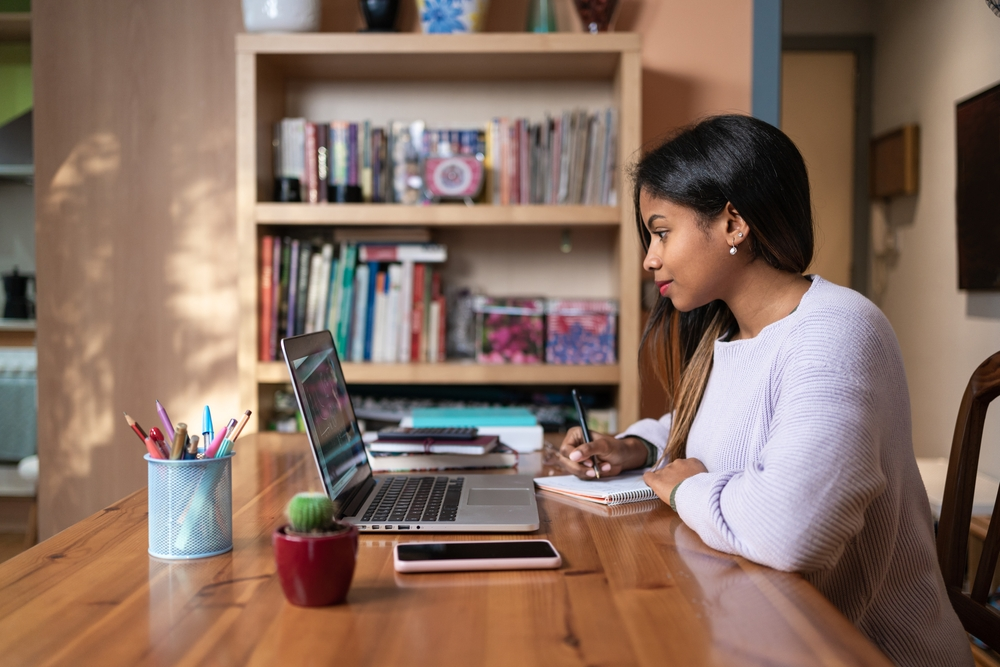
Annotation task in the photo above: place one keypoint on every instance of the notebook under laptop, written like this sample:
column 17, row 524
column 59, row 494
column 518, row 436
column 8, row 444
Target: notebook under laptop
column 426, row 503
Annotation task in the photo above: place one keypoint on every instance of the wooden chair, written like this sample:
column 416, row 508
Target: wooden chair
column 979, row 619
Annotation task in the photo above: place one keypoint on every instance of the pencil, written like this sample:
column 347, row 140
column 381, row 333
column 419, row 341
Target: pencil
column 135, row 427
column 239, row 427
column 180, row 437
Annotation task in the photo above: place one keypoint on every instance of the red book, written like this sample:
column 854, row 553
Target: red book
column 417, row 318
column 266, row 278
column 438, row 298
column 311, row 176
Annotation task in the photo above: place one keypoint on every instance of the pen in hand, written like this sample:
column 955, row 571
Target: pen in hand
column 586, row 431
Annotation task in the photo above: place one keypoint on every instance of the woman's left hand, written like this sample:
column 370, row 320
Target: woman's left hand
column 663, row 481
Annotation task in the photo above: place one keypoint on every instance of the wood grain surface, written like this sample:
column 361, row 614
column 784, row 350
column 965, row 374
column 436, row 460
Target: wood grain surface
column 637, row 587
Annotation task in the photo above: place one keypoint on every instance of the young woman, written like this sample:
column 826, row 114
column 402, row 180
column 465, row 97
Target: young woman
column 788, row 441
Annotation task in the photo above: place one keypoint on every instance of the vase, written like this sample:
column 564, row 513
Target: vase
column 542, row 16
column 452, row 16
column 281, row 15
column 315, row 570
column 597, row 15
column 380, row 15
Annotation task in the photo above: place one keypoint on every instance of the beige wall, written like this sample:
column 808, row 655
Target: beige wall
column 928, row 55
column 135, row 165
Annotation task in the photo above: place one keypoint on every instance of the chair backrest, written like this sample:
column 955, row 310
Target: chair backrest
column 978, row 618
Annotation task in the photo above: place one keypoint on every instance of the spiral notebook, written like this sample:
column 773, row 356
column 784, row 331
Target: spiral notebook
column 625, row 488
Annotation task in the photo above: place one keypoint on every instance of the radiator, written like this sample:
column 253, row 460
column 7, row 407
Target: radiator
column 18, row 403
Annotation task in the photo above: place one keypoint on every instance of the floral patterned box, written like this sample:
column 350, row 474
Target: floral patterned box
column 509, row 331
column 581, row 331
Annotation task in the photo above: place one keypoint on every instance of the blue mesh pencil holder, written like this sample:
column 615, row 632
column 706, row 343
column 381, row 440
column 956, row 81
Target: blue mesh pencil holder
column 190, row 507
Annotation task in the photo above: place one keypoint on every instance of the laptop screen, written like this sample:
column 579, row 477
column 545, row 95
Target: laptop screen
column 328, row 414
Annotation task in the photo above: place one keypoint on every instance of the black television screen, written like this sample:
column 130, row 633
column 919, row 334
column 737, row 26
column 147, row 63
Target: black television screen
column 977, row 196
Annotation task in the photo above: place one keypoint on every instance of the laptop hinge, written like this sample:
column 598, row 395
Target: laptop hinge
column 359, row 497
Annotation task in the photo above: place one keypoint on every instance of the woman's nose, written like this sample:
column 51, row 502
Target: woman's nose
column 651, row 262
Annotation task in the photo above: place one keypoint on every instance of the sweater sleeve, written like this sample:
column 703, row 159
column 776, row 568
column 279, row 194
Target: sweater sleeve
column 654, row 431
column 798, row 505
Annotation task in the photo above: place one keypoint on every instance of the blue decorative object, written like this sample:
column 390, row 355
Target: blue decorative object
column 451, row 16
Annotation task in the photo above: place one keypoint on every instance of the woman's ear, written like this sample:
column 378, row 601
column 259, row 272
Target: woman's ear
column 737, row 229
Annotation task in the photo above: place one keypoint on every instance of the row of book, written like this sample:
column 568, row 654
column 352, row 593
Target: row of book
column 381, row 302
column 568, row 158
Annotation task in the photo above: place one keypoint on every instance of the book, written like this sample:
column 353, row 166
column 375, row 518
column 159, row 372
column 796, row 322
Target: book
column 392, row 319
column 293, row 288
column 500, row 457
column 625, row 488
column 361, row 301
column 518, row 438
column 404, row 340
column 417, row 313
column 370, row 309
column 310, row 189
column 435, row 417
column 322, row 160
column 286, row 256
column 264, row 322
column 479, row 445
column 376, row 332
column 275, row 297
column 402, row 252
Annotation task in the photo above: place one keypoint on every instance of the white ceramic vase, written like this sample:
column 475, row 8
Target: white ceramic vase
column 281, row 15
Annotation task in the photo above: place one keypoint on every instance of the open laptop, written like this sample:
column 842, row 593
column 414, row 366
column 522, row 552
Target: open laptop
column 416, row 502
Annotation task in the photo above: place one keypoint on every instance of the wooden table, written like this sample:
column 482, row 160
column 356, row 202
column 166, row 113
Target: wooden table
column 636, row 587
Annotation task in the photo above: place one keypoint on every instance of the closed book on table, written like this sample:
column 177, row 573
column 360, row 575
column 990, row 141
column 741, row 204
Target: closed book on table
column 501, row 457
column 479, row 445
column 436, row 417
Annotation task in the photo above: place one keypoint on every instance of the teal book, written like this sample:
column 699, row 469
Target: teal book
column 435, row 417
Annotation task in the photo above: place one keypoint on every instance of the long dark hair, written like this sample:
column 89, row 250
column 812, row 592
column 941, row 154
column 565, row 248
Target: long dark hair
column 720, row 160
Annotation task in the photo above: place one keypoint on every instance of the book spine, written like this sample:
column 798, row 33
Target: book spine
column 322, row 160
column 413, row 252
column 405, row 313
column 286, row 254
column 346, row 302
column 338, row 146
column 437, row 295
column 305, row 275
column 352, row 154
column 378, row 325
column 361, row 283
column 275, row 297
column 336, row 291
column 417, row 314
column 524, row 143
column 377, row 165
column 322, row 287
column 373, row 274
column 392, row 312
column 264, row 322
column 311, row 169
column 365, row 141
column 312, row 295
column 293, row 288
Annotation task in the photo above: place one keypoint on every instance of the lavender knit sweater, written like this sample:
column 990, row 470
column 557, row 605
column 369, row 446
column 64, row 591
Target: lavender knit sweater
column 805, row 431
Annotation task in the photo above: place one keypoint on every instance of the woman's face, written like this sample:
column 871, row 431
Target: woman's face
column 690, row 260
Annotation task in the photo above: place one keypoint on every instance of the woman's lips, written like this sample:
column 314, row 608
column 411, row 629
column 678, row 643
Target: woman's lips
column 663, row 286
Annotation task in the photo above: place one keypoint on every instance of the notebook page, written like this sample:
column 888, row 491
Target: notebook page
column 625, row 488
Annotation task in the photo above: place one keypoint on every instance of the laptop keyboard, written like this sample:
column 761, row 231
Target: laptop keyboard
column 416, row 499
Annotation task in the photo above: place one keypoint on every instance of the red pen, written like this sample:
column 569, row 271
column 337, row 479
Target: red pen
column 161, row 444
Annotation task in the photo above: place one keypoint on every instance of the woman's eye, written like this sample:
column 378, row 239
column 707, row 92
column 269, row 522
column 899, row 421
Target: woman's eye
column 661, row 235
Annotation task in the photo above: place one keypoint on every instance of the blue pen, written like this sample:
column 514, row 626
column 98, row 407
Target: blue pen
column 207, row 430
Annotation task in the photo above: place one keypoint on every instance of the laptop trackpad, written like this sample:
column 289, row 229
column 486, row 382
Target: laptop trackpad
column 499, row 497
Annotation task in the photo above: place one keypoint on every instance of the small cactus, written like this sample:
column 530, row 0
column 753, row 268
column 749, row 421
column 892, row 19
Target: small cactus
column 311, row 513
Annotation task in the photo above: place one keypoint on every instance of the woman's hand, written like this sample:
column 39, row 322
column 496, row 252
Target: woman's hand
column 663, row 481
column 613, row 455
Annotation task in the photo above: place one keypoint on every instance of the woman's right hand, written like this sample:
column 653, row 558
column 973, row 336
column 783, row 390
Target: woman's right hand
column 614, row 455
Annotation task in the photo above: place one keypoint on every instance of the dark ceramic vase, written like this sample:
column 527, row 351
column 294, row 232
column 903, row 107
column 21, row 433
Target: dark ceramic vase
column 315, row 570
column 380, row 15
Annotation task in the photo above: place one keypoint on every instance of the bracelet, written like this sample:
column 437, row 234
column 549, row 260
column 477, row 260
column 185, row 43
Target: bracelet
column 673, row 493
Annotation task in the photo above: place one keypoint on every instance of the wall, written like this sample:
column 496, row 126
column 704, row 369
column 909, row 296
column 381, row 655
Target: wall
column 135, row 198
column 928, row 55
column 135, row 157
column 822, row 17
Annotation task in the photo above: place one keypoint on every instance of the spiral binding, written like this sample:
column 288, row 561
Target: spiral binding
column 630, row 496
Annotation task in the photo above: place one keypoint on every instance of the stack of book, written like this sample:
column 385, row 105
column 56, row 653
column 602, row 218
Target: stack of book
column 517, row 428
column 568, row 158
column 382, row 302
column 391, row 454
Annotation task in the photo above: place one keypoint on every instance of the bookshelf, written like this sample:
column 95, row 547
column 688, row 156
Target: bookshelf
column 512, row 249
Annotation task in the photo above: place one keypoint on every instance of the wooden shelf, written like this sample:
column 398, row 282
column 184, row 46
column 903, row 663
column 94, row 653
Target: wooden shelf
column 15, row 26
column 520, row 56
column 442, row 215
column 274, row 372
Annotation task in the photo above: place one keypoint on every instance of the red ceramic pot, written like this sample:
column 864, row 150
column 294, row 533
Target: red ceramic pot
column 315, row 570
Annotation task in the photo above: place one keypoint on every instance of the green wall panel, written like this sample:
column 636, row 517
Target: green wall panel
column 15, row 80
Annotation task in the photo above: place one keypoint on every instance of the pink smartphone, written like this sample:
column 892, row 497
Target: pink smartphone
column 478, row 555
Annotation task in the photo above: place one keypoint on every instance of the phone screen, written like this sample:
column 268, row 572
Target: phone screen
column 474, row 550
